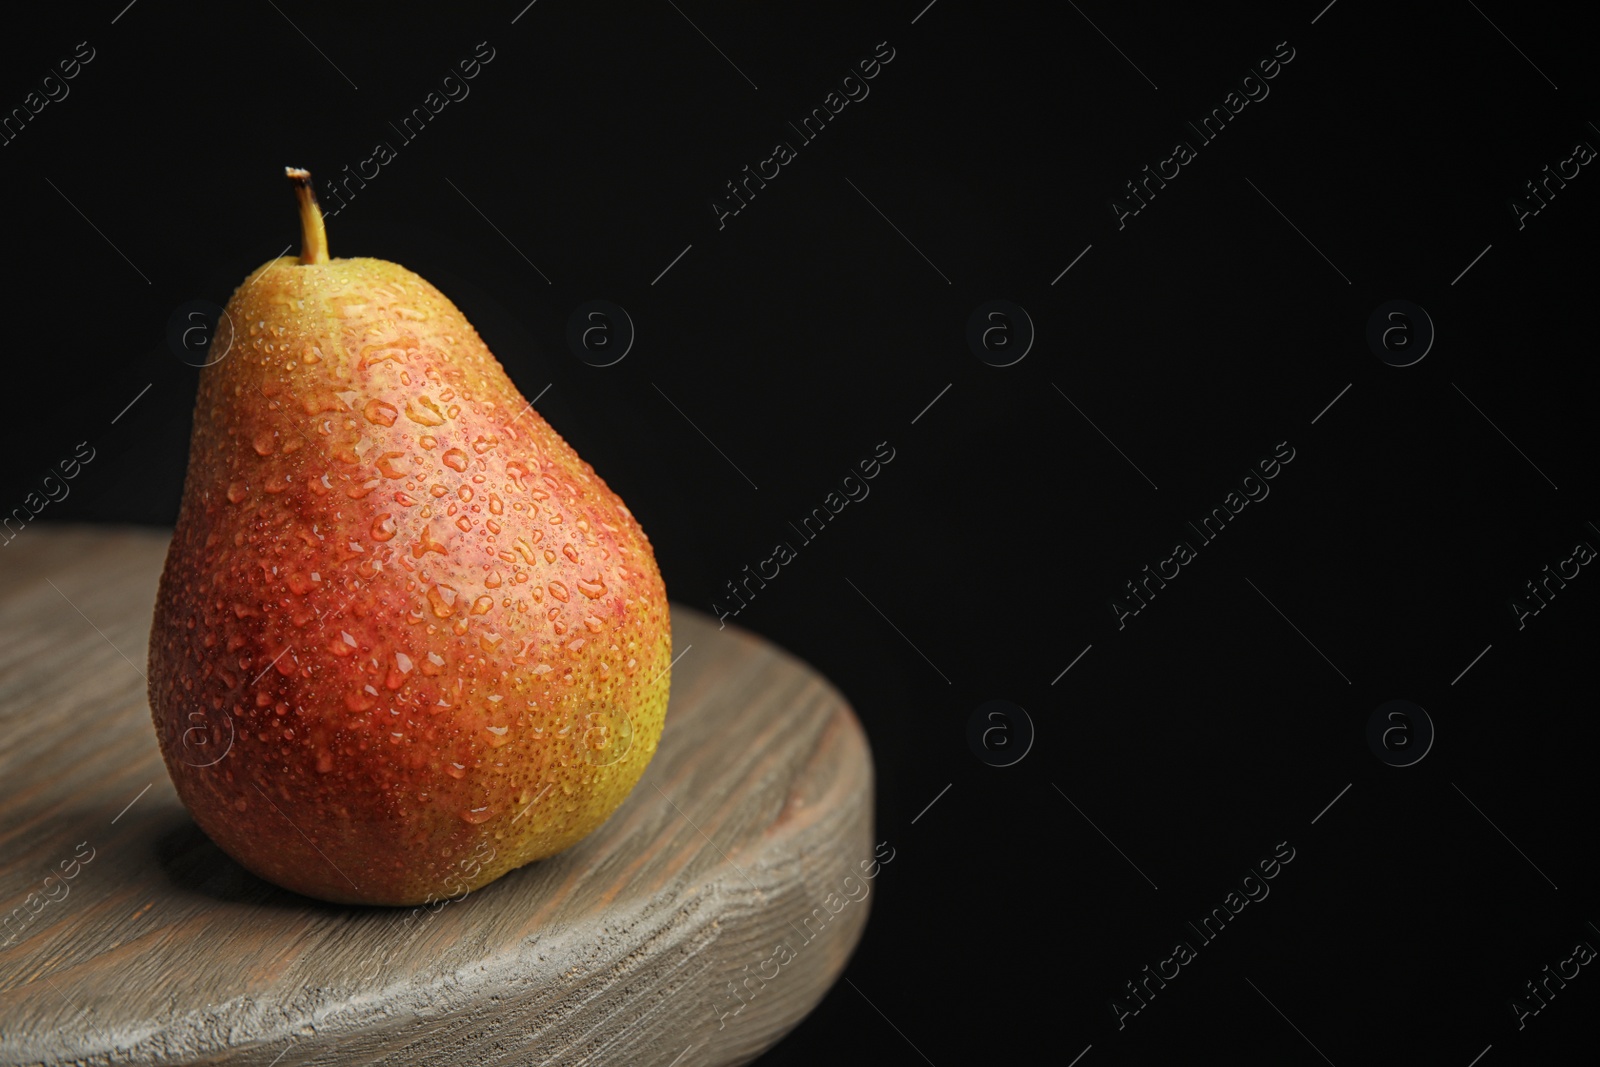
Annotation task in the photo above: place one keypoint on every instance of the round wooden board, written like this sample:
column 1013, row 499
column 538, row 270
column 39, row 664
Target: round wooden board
column 130, row 938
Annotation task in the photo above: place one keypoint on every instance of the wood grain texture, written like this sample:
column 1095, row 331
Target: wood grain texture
column 130, row 938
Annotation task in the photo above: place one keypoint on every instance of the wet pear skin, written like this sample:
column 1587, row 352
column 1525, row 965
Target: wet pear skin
column 426, row 640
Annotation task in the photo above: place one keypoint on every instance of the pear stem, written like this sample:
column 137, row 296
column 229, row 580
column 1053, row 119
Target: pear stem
column 314, row 237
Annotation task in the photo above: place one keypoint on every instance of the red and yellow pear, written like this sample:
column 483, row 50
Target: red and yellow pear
column 406, row 640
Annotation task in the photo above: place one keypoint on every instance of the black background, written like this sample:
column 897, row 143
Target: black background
column 808, row 330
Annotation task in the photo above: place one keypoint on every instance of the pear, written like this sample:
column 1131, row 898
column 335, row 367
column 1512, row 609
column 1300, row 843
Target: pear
column 405, row 640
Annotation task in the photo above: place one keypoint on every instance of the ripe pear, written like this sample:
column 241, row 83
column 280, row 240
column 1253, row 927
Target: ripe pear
column 405, row 640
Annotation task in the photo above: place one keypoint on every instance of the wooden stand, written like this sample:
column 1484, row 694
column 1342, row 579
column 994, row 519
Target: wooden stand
column 130, row 938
